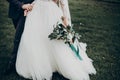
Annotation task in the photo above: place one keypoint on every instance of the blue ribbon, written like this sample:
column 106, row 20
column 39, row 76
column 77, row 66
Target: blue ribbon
column 76, row 51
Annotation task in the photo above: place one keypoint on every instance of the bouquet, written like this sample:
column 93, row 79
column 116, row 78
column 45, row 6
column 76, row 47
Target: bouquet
column 68, row 35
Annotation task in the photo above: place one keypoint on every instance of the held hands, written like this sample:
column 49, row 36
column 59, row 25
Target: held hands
column 27, row 8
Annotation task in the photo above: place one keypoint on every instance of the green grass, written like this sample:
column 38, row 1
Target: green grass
column 100, row 30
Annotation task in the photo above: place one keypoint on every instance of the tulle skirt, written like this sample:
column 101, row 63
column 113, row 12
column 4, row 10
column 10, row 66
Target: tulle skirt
column 38, row 56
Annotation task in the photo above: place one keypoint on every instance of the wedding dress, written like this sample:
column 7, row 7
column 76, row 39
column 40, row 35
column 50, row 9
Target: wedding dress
column 38, row 56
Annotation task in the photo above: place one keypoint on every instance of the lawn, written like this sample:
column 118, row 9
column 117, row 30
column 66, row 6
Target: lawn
column 100, row 29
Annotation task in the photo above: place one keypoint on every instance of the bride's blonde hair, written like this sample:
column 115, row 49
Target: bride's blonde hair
column 56, row 1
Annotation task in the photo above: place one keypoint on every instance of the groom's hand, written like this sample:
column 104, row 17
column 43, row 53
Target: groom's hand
column 27, row 7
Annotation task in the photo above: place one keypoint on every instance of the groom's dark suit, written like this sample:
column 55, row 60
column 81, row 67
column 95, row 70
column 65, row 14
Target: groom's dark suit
column 16, row 13
column 15, row 7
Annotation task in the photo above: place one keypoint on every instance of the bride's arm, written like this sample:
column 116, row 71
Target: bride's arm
column 66, row 13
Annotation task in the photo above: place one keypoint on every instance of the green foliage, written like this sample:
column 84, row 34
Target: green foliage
column 60, row 32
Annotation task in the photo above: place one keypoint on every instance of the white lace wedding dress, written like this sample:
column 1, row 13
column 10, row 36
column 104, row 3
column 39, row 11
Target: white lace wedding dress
column 38, row 56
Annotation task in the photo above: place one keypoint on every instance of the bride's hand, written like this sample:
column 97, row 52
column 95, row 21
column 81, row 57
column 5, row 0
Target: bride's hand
column 65, row 21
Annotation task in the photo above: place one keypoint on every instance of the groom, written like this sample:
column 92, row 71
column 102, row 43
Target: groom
column 16, row 13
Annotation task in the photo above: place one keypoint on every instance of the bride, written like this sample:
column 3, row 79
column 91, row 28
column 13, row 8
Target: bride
column 38, row 56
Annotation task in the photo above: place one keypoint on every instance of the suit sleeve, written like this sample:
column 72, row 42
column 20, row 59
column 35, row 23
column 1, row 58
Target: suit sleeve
column 16, row 3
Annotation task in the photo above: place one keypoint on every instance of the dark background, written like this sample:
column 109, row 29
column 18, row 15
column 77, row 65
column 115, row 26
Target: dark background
column 100, row 29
